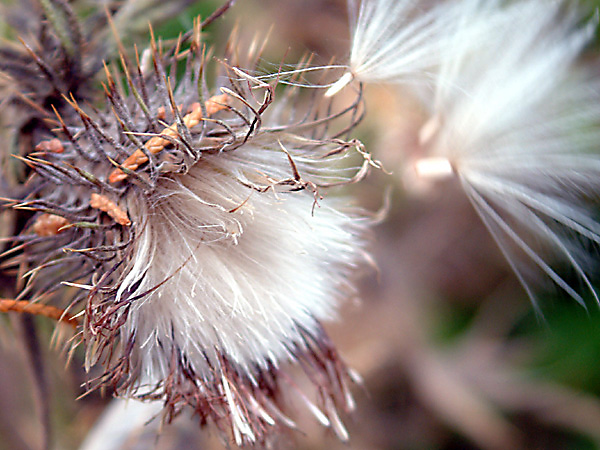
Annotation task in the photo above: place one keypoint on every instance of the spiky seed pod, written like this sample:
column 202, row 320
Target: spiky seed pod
column 517, row 122
column 196, row 217
column 60, row 54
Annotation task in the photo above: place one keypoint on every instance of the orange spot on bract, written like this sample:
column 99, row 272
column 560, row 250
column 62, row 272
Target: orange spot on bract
column 102, row 203
column 49, row 225
column 157, row 143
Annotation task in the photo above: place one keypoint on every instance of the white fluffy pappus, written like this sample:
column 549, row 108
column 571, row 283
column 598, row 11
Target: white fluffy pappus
column 399, row 41
column 519, row 124
column 234, row 266
column 243, row 269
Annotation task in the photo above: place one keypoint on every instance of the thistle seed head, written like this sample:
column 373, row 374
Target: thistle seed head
column 195, row 221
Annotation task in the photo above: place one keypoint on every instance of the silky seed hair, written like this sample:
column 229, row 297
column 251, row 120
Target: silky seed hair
column 504, row 92
column 195, row 224
column 402, row 42
column 515, row 118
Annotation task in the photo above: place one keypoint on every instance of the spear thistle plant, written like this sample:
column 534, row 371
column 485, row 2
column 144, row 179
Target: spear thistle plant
column 193, row 222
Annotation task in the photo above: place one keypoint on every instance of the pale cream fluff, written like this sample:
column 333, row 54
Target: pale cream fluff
column 403, row 41
column 241, row 269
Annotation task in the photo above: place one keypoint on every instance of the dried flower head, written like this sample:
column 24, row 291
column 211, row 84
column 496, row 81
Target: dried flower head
column 193, row 221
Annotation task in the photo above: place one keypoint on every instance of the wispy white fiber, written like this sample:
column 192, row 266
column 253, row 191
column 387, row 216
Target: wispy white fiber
column 519, row 123
column 242, row 269
column 401, row 41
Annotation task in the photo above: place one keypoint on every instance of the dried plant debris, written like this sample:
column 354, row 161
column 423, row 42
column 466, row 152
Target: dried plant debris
column 193, row 222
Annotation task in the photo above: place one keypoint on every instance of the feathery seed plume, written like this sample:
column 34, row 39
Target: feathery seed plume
column 399, row 41
column 515, row 119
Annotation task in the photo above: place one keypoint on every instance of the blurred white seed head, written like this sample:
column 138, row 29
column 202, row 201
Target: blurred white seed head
column 517, row 122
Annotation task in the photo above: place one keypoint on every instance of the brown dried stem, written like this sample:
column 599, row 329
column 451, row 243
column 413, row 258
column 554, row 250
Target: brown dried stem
column 37, row 309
